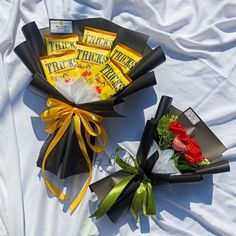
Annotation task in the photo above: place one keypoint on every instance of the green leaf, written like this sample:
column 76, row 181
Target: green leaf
column 186, row 167
column 181, row 163
column 165, row 135
column 175, row 158
column 203, row 163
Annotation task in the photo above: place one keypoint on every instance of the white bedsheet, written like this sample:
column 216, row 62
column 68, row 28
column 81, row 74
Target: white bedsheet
column 199, row 39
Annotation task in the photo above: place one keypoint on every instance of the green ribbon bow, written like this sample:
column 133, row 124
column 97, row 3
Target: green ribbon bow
column 143, row 197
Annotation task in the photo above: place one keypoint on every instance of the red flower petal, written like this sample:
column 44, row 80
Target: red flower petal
column 193, row 153
column 177, row 128
column 178, row 145
column 183, row 142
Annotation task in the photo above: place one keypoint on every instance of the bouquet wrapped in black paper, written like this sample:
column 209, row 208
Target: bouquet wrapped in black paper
column 176, row 147
column 73, row 120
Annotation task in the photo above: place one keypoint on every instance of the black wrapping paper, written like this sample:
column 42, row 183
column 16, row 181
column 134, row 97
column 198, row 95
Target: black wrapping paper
column 105, row 185
column 149, row 62
column 67, row 152
column 32, row 34
column 27, row 55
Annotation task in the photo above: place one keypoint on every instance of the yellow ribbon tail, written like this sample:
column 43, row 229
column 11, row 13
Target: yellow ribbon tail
column 50, row 186
column 56, row 191
column 97, row 148
column 80, row 139
column 80, row 196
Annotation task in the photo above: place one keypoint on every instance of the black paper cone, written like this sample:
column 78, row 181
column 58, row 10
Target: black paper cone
column 163, row 107
column 150, row 131
column 146, row 142
column 215, row 167
column 159, row 178
column 142, row 82
column 27, row 55
column 148, row 63
column 32, row 34
column 185, row 178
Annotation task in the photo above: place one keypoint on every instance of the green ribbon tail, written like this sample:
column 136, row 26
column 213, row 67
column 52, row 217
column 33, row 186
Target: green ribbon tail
column 138, row 200
column 112, row 196
column 144, row 205
column 150, row 201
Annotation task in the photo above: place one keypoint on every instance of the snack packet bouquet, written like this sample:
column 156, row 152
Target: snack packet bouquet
column 83, row 68
column 176, row 147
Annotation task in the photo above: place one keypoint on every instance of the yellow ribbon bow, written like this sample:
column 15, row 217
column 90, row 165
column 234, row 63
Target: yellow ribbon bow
column 59, row 116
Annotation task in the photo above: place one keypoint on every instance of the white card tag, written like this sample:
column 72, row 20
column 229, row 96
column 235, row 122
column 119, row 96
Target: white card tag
column 61, row 26
column 192, row 116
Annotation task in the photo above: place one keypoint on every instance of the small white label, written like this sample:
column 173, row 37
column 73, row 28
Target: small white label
column 61, row 26
column 192, row 116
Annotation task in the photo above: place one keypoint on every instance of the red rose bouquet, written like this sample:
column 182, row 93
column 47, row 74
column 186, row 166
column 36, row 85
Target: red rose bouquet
column 176, row 147
column 187, row 153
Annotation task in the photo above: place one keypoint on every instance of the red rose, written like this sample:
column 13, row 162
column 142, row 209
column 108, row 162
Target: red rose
column 179, row 130
column 193, row 153
column 183, row 143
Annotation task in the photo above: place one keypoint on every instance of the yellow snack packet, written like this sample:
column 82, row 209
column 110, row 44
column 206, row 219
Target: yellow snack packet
column 110, row 80
column 90, row 59
column 98, row 37
column 60, row 43
column 125, row 57
column 62, row 67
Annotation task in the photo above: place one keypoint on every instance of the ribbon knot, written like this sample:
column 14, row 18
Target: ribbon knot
column 75, row 110
column 58, row 118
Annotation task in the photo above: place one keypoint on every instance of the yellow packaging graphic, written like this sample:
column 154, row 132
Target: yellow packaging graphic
column 98, row 37
column 125, row 57
column 90, row 59
column 60, row 43
column 110, row 80
column 62, row 67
